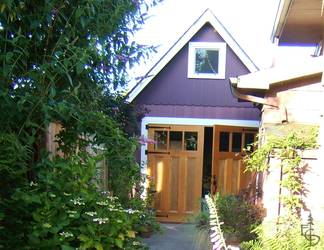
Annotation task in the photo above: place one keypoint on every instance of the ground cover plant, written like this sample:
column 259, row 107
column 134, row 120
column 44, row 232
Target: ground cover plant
column 60, row 61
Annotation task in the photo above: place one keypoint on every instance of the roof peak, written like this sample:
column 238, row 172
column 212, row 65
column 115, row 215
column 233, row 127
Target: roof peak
column 207, row 16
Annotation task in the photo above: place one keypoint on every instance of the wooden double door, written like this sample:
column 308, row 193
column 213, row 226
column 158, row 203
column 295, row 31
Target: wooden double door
column 175, row 170
column 175, row 166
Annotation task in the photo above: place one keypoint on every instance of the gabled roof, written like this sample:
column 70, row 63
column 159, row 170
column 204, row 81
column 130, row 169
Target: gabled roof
column 264, row 79
column 207, row 17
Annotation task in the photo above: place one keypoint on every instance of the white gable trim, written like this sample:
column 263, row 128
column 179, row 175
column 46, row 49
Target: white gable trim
column 206, row 17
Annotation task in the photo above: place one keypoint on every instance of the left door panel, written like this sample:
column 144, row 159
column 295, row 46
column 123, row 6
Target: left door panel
column 175, row 170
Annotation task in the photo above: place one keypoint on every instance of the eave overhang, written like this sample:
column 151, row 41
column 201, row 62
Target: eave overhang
column 264, row 79
column 299, row 22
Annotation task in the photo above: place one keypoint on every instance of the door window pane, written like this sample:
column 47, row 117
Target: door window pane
column 161, row 139
column 191, row 141
column 237, row 142
column 249, row 139
column 176, row 140
column 224, row 141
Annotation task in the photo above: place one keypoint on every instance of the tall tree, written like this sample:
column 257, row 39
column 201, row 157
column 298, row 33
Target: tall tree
column 60, row 59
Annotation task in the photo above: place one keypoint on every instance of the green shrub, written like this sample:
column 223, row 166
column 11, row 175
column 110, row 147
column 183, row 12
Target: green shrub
column 240, row 217
column 63, row 210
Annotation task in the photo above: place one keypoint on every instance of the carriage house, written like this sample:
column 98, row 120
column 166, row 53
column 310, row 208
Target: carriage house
column 199, row 128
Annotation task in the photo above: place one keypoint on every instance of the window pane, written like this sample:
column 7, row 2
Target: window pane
column 191, row 140
column 224, row 141
column 206, row 61
column 176, row 140
column 237, row 142
column 161, row 138
column 249, row 139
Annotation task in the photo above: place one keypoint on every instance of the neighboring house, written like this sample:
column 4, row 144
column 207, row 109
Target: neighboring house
column 199, row 127
column 292, row 96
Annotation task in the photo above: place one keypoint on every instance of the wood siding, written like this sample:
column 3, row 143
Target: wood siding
column 172, row 86
column 203, row 112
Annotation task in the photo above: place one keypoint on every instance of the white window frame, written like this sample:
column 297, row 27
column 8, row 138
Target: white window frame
column 221, row 47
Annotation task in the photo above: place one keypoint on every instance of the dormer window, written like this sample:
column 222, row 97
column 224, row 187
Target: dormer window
column 206, row 60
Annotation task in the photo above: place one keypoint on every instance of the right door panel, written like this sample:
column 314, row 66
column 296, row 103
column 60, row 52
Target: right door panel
column 228, row 172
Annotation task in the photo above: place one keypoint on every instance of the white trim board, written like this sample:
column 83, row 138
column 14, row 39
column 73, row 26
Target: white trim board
column 264, row 79
column 207, row 17
column 188, row 121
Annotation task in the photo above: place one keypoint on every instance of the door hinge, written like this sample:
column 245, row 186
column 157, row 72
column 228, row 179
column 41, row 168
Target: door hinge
column 162, row 215
column 156, row 152
column 162, row 127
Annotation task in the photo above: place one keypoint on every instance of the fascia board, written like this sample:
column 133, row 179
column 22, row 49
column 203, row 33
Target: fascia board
column 281, row 18
column 263, row 79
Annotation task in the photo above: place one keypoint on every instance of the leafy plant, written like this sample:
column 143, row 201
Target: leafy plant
column 285, row 234
column 240, row 217
column 287, row 149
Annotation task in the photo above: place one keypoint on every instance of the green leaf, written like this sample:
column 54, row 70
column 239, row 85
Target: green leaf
column 65, row 247
column 2, row 8
column 98, row 246
column 131, row 234
column 79, row 67
column 9, row 55
column 119, row 242
column 83, row 237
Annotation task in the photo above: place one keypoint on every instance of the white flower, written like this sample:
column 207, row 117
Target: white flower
column 91, row 213
column 101, row 220
column 71, row 213
column 66, row 234
column 113, row 209
column 77, row 201
column 131, row 211
column 102, row 203
column 33, row 184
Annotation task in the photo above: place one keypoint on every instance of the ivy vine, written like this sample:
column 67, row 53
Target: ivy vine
column 288, row 149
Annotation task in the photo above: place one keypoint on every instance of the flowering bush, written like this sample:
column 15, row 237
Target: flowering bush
column 63, row 210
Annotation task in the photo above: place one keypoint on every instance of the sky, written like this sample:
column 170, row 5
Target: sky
column 250, row 22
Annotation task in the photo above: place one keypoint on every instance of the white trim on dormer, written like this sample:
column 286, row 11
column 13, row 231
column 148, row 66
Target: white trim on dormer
column 220, row 47
column 206, row 17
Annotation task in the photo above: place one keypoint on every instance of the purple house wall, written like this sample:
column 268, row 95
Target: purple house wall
column 172, row 94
